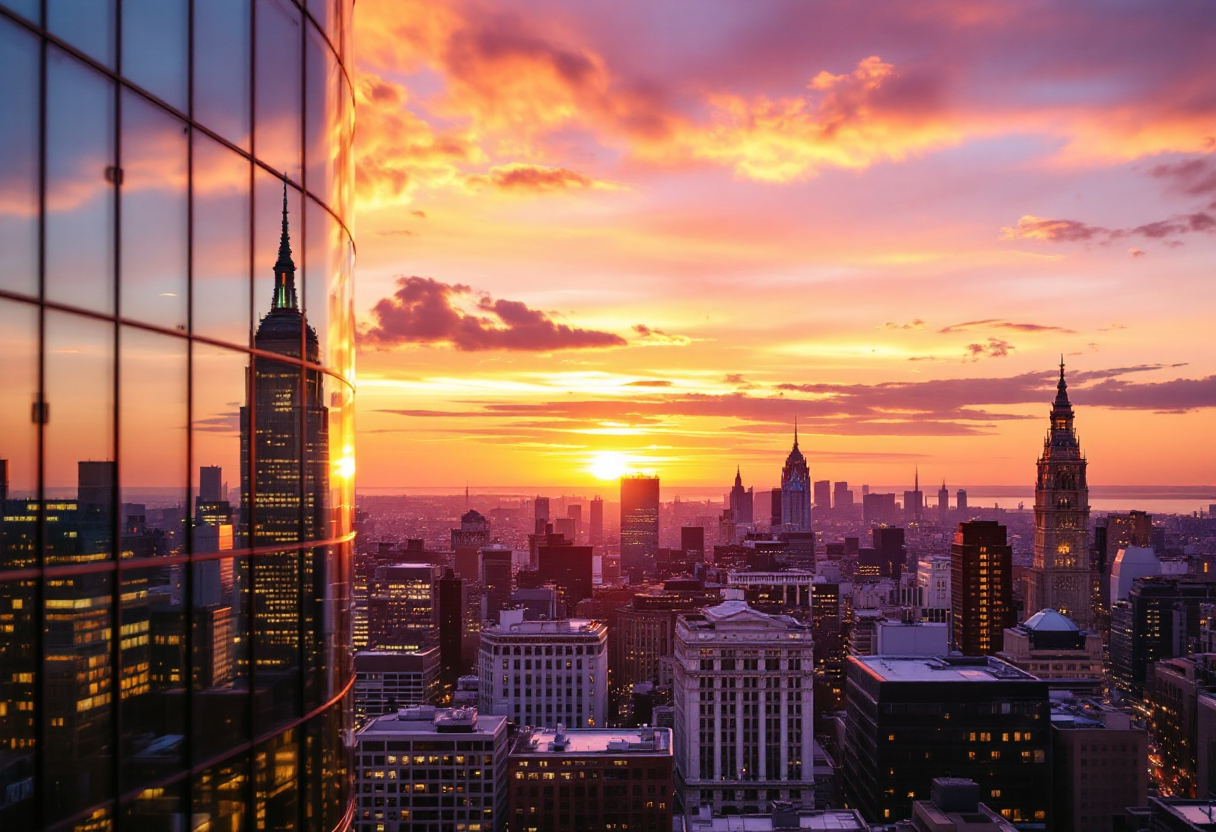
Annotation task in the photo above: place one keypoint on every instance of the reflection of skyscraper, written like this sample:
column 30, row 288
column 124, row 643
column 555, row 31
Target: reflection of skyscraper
column 1061, row 578
column 796, row 490
column 639, row 524
column 284, row 466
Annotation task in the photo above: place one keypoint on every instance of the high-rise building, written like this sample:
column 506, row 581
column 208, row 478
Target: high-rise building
column 621, row 779
column 943, row 504
column 497, row 580
column 403, row 607
column 434, row 769
column 1100, row 766
column 960, row 499
column 386, row 681
column 981, row 588
column 569, row 569
column 842, row 498
column 474, row 531
column 151, row 679
column 596, row 530
column 822, row 499
column 914, row 502
column 775, row 508
column 639, row 524
column 575, row 513
column 878, row 508
column 540, row 514
column 743, row 695
column 1159, row 619
column 544, row 673
column 796, row 490
column 741, row 500
column 909, row 719
column 1061, row 578
column 692, row 543
column 933, row 584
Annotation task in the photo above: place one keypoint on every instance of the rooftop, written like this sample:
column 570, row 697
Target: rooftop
column 941, row 669
column 427, row 719
column 565, row 626
column 594, row 741
column 842, row 819
column 1050, row 621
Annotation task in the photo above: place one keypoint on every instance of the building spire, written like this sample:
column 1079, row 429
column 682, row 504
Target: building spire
column 284, row 267
column 916, row 481
column 1062, row 387
column 795, row 431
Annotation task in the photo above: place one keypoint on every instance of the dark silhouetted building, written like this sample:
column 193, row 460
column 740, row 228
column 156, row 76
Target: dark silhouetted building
column 741, row 500
column 474, row 531
column 822, row 496
column 1159, row 619
column 639, row 525
column 842, row 498
column 596, row 530
column 497, row 580
column 981, row 588
column 692, row 543
column 569, row 568
column 943, row 505
column 796, row 490
column 775, row 508
column 1100, row 765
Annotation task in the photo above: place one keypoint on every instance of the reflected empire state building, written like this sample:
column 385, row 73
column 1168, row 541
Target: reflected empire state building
column 284, row 464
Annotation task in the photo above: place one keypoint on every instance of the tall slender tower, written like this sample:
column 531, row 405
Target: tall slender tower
column 1061, row 578
column 796, row 490
column 284, row 466
column 740, row 500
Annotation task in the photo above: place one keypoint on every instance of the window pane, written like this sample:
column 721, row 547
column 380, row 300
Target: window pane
column 220, row 591
column 221, row 242
column 221, row 68
column 18, row 437
column 80, row 172
column 86, row 24
column 219, row 392
column 317, row 274
column 155, row 45
column 276, row 775
column 278, row 95
column 18, row 160
column 29, row 9
column 268, row 225
column 78, row 693
column 153, row 675
column 156, row 810
column 152, row 442
column 18, row 731
column 219, row 795
column 276, row 638
column 154, row 217
column 342, row 456
column 321, row 115
column 79, row 437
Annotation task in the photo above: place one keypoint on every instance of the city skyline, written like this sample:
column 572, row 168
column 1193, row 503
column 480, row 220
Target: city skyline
column 591, row 229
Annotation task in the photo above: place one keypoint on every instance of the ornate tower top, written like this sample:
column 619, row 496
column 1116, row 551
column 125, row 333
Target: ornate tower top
column 738, row 478
column 285, row 268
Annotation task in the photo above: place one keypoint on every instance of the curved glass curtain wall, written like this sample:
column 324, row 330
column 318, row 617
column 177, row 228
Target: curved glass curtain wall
column 176, row 432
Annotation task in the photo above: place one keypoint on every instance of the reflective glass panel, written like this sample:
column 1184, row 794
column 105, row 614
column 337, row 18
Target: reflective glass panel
column 316, row 272
column 86, row 24
column 152, row 442
column 78, row 693
column 276, row 781
column 153, row 676
column 321, row 115
column 18, row 730
column 219, row 395
column 18, row 436
column 277, row 106
column 155, row 46
column 221, row 242
column 277, row 615
column 29, row 9
column 221, row 68
column 162, row 809
column 154, row 215
column 219, row 796
column 80, row 178
column 220, row 591
column 268, row 226
column 79, row 438
column 18, row 160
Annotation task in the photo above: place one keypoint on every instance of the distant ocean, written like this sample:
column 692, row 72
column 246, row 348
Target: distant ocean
column 1155, row 499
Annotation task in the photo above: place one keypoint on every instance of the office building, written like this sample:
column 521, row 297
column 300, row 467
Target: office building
column 386, row 681
column 403, row 607
column 954, row 806
column 595, row 533
column 1129, row 564
column 909, row 719
column 639, row 525
column 775, row 508
column 822, row 497
column 540, row 514
column 933, row 586
column 796, row 490
column 1160, row 617
column 544, row 673
column 907, row 637
column 943, row 505
column 1172, row 698
column 427, row 769
column 743, row 696
column 692, row 544
column 1061, row 578
column 597, row 778
column 981, row 588
column 497, row 580
column 474, row 531
column 828, row 637
column 453, row 602
column 842, row 499
column 741, row 501
column 1100, row 761
column 143, row 215
column 878, row 508
column 785, row 592
column 568, row 568
column 914, row 502
column 1179, row 814
column 1052, row 647
column 960, row 500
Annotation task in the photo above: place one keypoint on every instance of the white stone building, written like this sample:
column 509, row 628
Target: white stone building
column 743, row 709
column 544, row 673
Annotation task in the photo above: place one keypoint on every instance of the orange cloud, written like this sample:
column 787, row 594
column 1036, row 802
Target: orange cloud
column 522, row 178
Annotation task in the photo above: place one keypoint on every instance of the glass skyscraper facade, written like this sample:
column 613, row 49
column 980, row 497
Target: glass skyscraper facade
column 176, row 426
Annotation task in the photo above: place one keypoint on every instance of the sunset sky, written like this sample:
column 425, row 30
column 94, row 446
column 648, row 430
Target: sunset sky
column 650, row 234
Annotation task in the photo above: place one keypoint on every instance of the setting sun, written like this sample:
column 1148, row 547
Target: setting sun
column 609, row 465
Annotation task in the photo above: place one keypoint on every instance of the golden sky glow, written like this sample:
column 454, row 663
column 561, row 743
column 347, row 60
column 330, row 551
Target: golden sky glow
column 603, row 237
